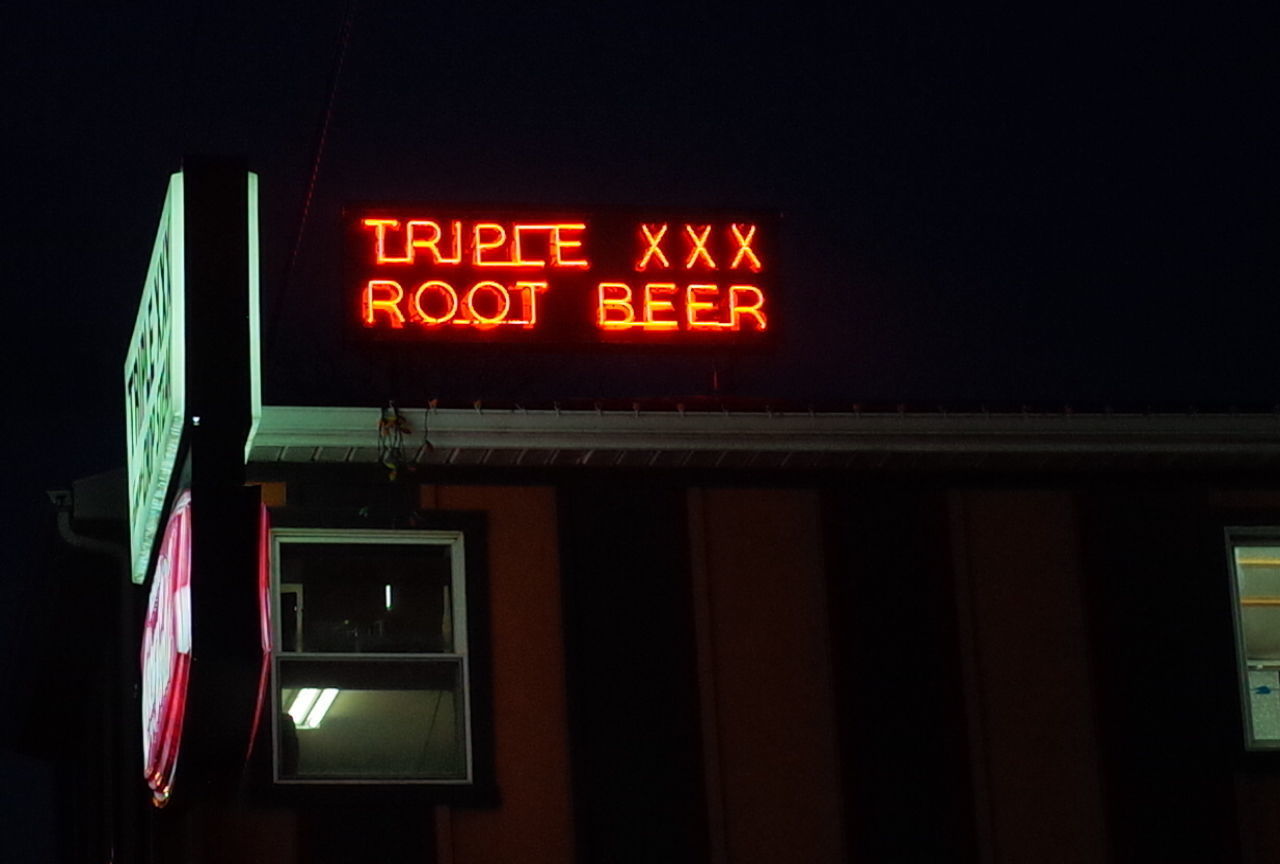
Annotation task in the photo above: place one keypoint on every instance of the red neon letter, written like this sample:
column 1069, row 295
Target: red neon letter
column 499, row 235
column 419, row 315
column 694, row 306
column 652, row 291
column 529, row 292
column 619, row 301
column 744, row 248
column 653, row 249
column 432, row 241
column 371, row 305
column 559, row 242
column 753, row 308
column 469, row 300
column 380, row 227
column 556, row 241
column 519, row 252
column 698, row 248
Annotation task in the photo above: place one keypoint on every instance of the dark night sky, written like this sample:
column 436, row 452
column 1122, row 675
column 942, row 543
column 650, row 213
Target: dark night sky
column 1040, row 206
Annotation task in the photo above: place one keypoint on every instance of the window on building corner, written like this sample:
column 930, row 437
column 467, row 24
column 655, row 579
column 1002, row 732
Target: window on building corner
column 1255, row 566
column 371, row 668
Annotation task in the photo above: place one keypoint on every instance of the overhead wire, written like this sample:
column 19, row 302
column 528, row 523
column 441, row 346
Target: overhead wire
column 344, row 42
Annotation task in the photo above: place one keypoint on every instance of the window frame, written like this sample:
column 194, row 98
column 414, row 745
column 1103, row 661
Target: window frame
column 464, row 631
column 1236, row 537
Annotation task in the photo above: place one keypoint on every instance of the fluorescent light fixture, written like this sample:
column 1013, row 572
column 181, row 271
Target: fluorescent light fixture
column 387, row 593
column 302, row 704
column 310, row 706
column 317, row 712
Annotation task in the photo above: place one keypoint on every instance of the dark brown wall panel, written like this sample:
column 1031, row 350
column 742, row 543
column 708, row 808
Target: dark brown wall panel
column 633, row 698
column 770, row 674
column 533, row 822
column 1160, row 617
column 904, row 739
column 1018, row 557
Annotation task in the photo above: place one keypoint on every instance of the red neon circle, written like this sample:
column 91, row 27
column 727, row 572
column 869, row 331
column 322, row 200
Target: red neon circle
column 166, row 653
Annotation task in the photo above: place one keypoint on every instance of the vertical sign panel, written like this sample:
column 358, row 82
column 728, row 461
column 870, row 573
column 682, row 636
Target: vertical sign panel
column 154, row 381
column 172, row 369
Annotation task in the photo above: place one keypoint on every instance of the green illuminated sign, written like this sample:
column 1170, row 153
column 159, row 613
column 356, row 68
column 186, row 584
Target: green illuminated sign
column 156, row 370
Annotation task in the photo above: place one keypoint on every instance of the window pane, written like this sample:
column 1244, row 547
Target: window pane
column 371, row 720
column 1257, row 572
column 1264, row 703
column 365, row 597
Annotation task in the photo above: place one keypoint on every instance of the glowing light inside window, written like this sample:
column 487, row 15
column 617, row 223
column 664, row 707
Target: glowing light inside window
column 310, row 706
column 302, row 704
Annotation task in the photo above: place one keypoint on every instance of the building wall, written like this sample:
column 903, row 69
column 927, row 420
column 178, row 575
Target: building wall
column 1165, row 681
column 1025, row 648
column 1038, row 673
column 634, row 715
column 873, row 671
column 770, row 739
column 899, row 690
column 534, row 822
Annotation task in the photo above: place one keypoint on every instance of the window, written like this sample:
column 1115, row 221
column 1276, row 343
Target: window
column 1255, row 583
column 372, row 673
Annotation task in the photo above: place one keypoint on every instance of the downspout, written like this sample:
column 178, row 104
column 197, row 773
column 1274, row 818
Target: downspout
column 121, row 818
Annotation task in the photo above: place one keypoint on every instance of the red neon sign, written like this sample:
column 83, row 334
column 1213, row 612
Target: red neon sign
column 440, row 275
column 166, row 653
column 264, row 624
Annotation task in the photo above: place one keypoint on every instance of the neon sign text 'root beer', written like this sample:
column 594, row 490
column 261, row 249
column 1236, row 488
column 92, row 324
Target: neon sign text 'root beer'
column 427, row 275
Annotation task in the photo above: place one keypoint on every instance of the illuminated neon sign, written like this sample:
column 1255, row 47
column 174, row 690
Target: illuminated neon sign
column 166, row 653
column 443, row 275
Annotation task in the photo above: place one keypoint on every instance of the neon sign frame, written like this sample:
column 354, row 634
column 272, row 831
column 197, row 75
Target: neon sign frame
column 441, row 275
